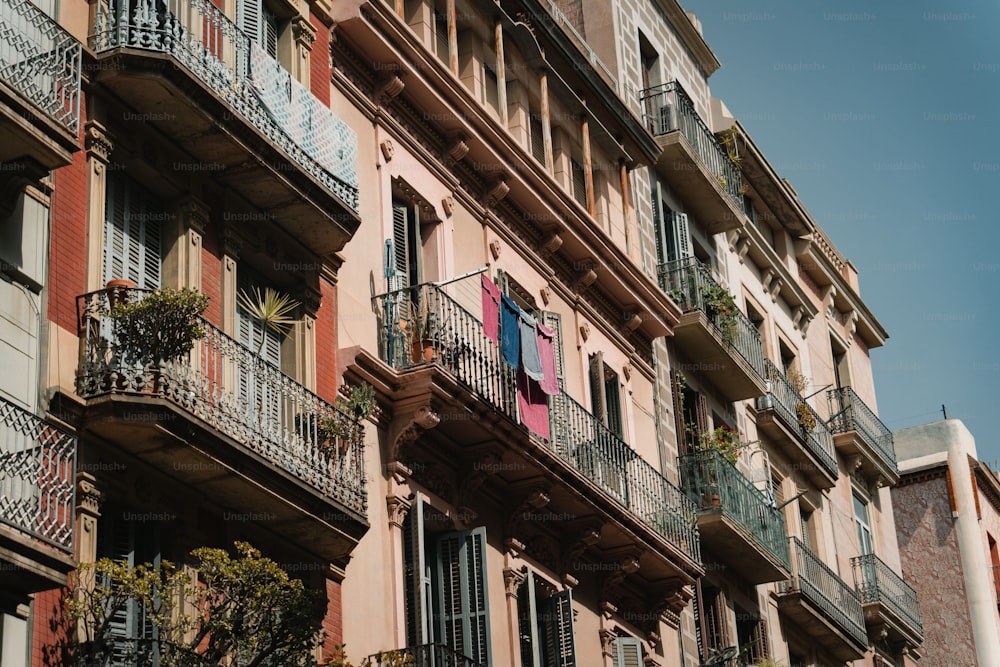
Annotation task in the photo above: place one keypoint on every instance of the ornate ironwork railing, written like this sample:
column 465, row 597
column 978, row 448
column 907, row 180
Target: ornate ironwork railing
column 850, row 413
column 828, row 592
column 668, row 108
column 41, row 61
column 715, row 485
column 425, row 655
column 687, row 281
column 876, row 582
column 199, row 36
column 37, row 476
column 233, row 389
column 786, row 401
column 422, row 324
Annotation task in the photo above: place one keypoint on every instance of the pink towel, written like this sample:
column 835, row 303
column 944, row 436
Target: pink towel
column 491, row 309
column 547, row 353
column 533, row 405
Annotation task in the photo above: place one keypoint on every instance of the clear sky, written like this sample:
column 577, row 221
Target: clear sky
column 885, row 117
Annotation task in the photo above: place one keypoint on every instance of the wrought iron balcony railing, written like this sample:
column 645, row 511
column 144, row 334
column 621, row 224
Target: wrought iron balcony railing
column 668, row 108
column 41, row 61
column 689, row 283
column 425, row 655
column 876, row 582
column 200, row 37
column 423, row 324
column 786, row 401
column 850, row 413
column 829, row 593
column 229, row 386
column 714, row 484
column 37, row 476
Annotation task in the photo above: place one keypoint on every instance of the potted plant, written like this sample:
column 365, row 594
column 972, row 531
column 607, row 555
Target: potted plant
column 335, row 430
column 159, row 328
column 423, row 332
column 807, row 421
column 724, row 440
column 721, row 308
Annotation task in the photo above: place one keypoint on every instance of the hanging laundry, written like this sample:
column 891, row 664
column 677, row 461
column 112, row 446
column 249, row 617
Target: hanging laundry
column 529, row 348
column 533, row 405
column 510, row 331
column 491, row 309
column 547, row 355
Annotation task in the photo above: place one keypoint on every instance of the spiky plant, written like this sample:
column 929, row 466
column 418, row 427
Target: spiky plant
column 271, row 308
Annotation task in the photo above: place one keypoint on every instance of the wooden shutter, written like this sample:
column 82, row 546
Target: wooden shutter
column 462, row 593
column 401, row 244
column 701, row 413
column 557, row 614
column 537, row 142
column 681, row 235
column 677, row 396
column 660, row 225
column 527, row 623
column 132, row 233
column 627, row 652
column 557, row 407
column 598, row 401
column 269, row 32
column 613, row 403
column 416, row 576
column 248, row 18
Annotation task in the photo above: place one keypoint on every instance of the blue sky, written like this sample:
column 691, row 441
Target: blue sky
column 885, row 117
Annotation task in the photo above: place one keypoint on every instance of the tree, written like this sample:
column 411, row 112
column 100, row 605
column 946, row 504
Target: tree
column 243, row 609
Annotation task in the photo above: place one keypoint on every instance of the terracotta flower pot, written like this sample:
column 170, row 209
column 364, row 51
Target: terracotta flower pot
column 118, row 291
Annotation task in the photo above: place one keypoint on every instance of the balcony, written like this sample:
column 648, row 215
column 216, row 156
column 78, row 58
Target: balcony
column 735, row 520
column 425, row 655
column 857, row 431
column 37, row 501
column 223, row 420
column 726, row 345
column 693, row 159
column 441, row 350
column 39, row 88
column 890, row 604
column 252, row 126
column 823, row 605
column 784, row 415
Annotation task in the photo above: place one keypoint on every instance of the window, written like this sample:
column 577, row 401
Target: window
column 537, row 139
column 627, row 652
column 441, row 35
column 691, row 412
column 133, row 220
column 606, row 395
column 447, row 600
column 751, row 633
column 579, row 183
column 841, row 373
column 673, row 237
column 807, row 527
column 649, row 60
column 260, row 24
column 258, row 391
column 406, row 244
column 545, row 624
column 130, row 542
column 491, row 87
column 861, row 520
column 711, row 628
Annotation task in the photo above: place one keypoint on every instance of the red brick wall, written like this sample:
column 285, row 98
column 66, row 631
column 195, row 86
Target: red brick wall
column 333, row 623
column 319, row 62
column 68, row 234
column 49, row 629
column 928, row 549
column 327, row 380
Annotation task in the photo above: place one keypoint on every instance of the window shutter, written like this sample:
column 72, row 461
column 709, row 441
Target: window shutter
column 598, row 402
column 131, row 543
column 462, row 593
column 628, row 652
column 681, row 235
column 701, row 406
column 677, row 397
column 560, row 650
column 554, row 321
column 613, row 401
column 416, row 575
column 132, row 234
column 537, row 141
column 659, row 226
column 527, row 622
column 248, row 18
column 557, row 409
column 269, row 32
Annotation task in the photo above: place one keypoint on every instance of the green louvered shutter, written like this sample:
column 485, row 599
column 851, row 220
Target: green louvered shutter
column 527, row 623
column 416, row 575
column 462, row 594
column 560, row 649
column 628, row 652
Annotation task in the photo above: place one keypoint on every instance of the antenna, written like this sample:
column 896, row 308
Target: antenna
column 944, row 411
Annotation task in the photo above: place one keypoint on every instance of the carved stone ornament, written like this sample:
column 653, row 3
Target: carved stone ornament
column 388, row 149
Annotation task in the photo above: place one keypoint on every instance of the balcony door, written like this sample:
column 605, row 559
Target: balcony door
column 133, row 236
column 673, row 235
column 258, row 364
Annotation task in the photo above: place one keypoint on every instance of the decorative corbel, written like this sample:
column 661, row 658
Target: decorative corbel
column 388, row 150
column 448, row 205
column 535, row 500
column 585, row 331
column 553, row 243
column 631, row 321
column 585, row 279
column 391, row 85
column 498, row 191
column 512, row 580
column 851, row 325
column 457, row 150
column 406, row 431
column 398, row 508
column 546, row 295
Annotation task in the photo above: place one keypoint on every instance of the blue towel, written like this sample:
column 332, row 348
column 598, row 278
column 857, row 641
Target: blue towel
column 529, row 348
column 510, row 335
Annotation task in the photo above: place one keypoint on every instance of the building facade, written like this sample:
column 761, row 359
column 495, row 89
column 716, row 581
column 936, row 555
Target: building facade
column 947, row 524
column 682, row 466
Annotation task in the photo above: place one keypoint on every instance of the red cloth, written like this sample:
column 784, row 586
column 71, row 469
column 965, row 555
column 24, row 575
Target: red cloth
column 547, row 353
column 491, row 309
column 533, row 405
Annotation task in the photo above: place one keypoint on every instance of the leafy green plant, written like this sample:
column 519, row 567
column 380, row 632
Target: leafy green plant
column 161, row 326
column 241, row 611
column 269, row 307
column 336, row 431
column 723, row 439
column 721, row 308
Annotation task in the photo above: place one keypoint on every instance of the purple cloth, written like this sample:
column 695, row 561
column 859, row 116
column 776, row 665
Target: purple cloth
column 529, row 348
column 491, row 309
column 510, row 331
column 547, row 354
column 533, row 405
